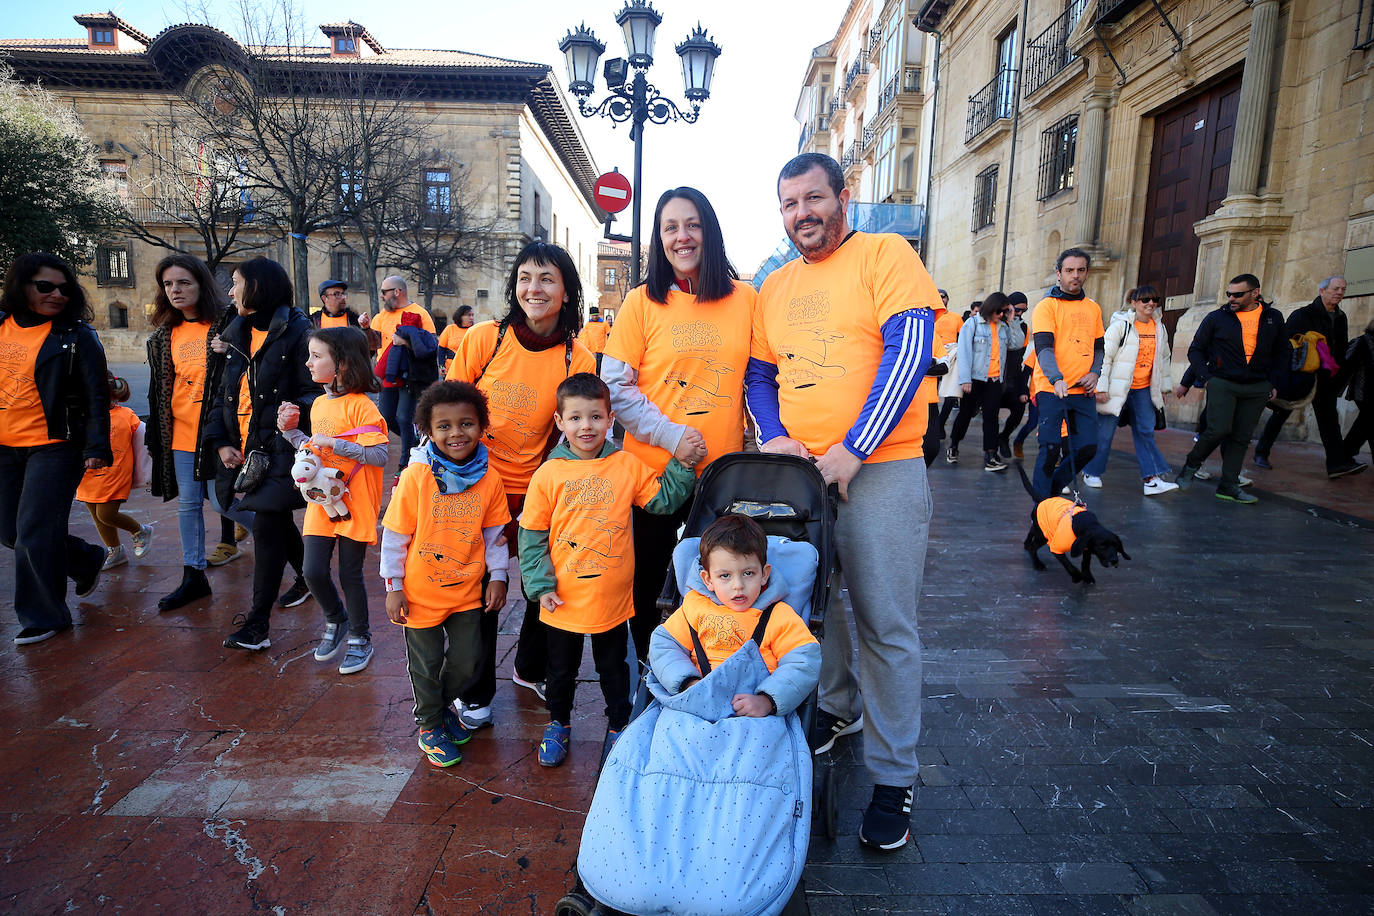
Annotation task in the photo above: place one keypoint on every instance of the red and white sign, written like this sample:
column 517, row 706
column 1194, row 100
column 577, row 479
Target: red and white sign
column 612, row 192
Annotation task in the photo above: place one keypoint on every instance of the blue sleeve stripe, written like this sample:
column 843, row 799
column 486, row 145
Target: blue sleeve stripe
column 900, row 385
column 761, row 397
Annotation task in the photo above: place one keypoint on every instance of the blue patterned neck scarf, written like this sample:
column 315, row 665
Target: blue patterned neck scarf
column 451, row 477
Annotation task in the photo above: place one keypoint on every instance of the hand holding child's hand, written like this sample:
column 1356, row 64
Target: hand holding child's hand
column 396, row 608
column 321, row 441
column 496, row 595
column 549, row 601
column 288, row 416
column 754, row 705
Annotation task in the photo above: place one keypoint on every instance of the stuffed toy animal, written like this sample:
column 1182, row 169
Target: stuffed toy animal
column 319, row 483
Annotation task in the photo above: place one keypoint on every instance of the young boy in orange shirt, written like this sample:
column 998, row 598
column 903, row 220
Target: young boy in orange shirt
column 742, row 597
column 576, row 554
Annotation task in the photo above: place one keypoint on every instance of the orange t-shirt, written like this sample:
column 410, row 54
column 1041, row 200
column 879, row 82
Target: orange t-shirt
column 1249, row 330
column 722, row 631
column 593, row 335
column 947, row 326
column 690, row 356
column 1076, row 324
column 584, row 505
column 188, row 382
column 450, row 339
column 386, row 322
column 103, row 485
column 330, row 416
column 520, row 386
column 444, row 565
column 995, row 354
column 1055, row 518
column 333, row 321
column 256, row 339
column 22, row 420
column 1145, row 356
column 821, row 325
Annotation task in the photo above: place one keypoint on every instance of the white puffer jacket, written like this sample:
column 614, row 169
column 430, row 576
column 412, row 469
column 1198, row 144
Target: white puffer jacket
column 1122, row 346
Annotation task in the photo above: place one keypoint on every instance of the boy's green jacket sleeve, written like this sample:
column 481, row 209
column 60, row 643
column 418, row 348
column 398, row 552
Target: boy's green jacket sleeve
column 674, row 487
column 536, row 563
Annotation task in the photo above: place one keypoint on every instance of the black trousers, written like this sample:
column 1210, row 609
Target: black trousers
column 1328, row 423
column 1011, row 399
column 319, row 550
column 930, row 443
column 1362, row 432
column 984, row 395
column 655, row 536
column 276, row 542
column 437, row 673
column 609, row 651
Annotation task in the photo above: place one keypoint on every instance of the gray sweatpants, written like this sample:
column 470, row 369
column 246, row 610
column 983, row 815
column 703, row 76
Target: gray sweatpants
column 880, row 536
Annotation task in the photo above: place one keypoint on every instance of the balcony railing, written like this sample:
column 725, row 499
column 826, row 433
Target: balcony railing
column 909, row 81
column 817, row 125
column 870, row 135
column 875, row 43
column 155, row 210
column 837, row 104
column 853, row 154
column 990, row 104
column 904, row 219
column 1048, row 53
column 851, row 78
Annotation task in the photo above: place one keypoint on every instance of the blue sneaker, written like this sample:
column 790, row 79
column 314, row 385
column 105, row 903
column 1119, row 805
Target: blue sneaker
column 553, row 750
column 439, row 747
column 454, row 727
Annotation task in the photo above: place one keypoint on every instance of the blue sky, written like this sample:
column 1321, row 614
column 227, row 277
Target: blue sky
column 746, row 131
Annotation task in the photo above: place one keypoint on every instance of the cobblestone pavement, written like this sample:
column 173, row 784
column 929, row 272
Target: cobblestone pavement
column 1192, row 735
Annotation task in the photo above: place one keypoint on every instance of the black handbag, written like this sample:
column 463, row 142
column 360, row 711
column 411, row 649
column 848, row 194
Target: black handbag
column 253, row 472
column 1161, row 422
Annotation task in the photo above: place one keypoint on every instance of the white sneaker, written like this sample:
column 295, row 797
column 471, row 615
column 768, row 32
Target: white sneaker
column 1242, row 480
column 114, row 556
column 473, row 716
column 1203, row 474
column 143, row 540
column 1157, row 485
column 1091, row 481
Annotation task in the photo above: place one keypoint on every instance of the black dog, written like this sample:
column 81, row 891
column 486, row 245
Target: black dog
column 1055, row 520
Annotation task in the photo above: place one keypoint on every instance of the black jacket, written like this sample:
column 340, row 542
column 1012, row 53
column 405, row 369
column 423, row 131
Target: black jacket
column 69, row 373
column 1218, row 350
column 278, row 375
column 374, row 340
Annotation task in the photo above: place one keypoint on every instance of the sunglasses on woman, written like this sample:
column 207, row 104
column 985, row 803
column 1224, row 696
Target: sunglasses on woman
column 1154, row 299
column 47, row 286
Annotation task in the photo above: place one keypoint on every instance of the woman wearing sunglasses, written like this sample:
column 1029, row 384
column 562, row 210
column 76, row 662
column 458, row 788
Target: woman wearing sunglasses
column 54, row 424
column 1136, row 370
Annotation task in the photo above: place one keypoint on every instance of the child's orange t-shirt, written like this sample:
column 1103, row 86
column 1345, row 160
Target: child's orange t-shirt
column 330, row 416
column 188, row 383
column 1249, row 330
column 22, row 421
column 584, row 505
column 1145, row 356
column 722, row 631
column 520, row 386
column 690, row 356
column 444, row 565
column 103, row 485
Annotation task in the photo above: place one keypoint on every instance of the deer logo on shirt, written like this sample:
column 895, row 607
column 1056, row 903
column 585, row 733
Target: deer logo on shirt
column 804, row 357
column 589, row 555
column 516, row 436
column 698, row 381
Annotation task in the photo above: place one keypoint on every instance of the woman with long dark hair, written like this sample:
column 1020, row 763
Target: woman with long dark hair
column 189, row 309
column 264, row 371
column 675, row 366
column 54, row 424
column 517, row 363
column 986, row 342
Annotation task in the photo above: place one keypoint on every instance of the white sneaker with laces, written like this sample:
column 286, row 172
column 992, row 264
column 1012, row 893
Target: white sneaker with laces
column 1091, row 481
column 114, row 556
column 1243, row 481
column 1203, row 474
column 473, row 716
column 143, row 540
column 1157, row 485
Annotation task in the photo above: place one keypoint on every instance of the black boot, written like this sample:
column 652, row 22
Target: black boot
column 193, row 586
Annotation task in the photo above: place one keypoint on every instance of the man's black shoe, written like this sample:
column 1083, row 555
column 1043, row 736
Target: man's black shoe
column 828, row 727
column 1349, row 467
column 1262, row 462
column 887, row 822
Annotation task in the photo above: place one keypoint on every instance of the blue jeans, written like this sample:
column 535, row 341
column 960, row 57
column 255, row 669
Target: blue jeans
column 1053, row 470
column 37, row 486
column 1142, row 419
column 191, row 494
column 397, row 406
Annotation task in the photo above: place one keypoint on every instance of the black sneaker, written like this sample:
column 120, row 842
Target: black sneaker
column 1004, row 448
column 1184, row 478
column 1262, row 462
column 1236, row 495
column 887, row 822
column 1349, row 467
column 296, row 594
column 952, row 455
column 30, row 635
column 829, row 726
column 991, row 462
column 85, row 584
column 250, row 636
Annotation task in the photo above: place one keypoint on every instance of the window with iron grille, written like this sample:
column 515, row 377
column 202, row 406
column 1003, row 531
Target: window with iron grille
column 1058, row 146
column 118, row 315
column 608, row 278
column 438, row 192
column 345, row 265
column 1364, row 25
column 984, row 197
column 114, row 266
column 443, row 278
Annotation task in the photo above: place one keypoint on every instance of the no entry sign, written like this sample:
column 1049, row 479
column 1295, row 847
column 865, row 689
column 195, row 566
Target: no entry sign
column 612, row 192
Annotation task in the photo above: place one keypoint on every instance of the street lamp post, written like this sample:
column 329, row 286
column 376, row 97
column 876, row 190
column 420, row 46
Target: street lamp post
column 639, row 102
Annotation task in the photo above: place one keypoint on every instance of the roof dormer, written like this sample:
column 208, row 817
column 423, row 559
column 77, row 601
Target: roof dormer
column 349, row 39
column 107, row 32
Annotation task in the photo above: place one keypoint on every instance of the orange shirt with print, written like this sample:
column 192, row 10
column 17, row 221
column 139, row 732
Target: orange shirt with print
column 593, row 336
column 446, row 559
column 1076, row 325
column 1249, row 330
column 584, row 505
column 330, row 416
column 722, row 631
column 386, row 322
column 821, row 325
column 103, row 485
column 188, row 382
column 690, row 356
column 1145, row 356
column 256, row 339
column 520, row 386
column 22, row 420
column 450, row 339
column 333, row 321
column 1055, row 518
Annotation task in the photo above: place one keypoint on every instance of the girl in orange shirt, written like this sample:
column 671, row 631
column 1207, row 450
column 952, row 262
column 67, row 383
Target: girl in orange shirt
column 348, row 434
column 105, row 490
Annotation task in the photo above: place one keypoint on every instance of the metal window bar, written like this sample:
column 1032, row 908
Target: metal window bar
column 869, row 136
column 1364, row 25
column 1048, row 53
column 990, row 103
column 984, row 198
column 112, row 266
column 1058, row 147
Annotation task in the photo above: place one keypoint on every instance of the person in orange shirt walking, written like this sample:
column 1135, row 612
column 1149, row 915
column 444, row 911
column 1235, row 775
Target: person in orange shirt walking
column 452, row 335
column 105, row 490
column 398, row 397
column 594, row 333
column 576, row 556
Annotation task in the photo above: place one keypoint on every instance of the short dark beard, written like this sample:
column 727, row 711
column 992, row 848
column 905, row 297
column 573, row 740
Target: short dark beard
column 832, row 234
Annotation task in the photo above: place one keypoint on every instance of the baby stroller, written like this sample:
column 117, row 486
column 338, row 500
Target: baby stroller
column 701, row 815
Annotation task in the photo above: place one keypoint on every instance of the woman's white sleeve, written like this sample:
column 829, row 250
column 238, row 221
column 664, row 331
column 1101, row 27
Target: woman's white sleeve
column 640, row 416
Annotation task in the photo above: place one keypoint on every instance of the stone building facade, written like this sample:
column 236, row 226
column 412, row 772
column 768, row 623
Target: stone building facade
column 504, row 124
column 1180, row 142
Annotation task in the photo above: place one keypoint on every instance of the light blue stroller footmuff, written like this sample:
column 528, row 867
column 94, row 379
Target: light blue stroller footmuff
column 699, row 812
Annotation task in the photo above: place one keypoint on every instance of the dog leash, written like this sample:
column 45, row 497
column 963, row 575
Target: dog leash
column 1067, row 440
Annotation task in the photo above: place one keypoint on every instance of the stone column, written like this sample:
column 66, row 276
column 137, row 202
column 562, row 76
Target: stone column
column 1252, row 113
column 1091, row 130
